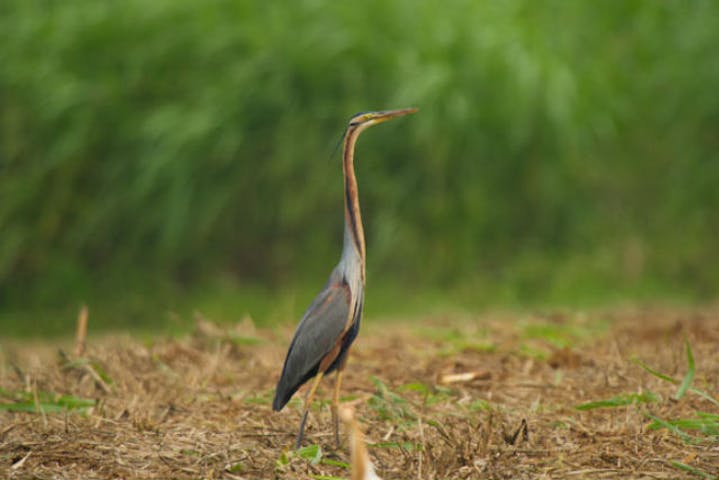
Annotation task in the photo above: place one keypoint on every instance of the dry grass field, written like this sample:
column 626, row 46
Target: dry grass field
column 608, row 394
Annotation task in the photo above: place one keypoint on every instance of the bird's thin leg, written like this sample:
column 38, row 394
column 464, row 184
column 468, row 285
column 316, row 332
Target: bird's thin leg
column 335, row 407
column 308, row 402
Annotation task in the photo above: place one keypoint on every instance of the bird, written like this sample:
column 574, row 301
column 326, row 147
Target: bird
column 330, row 324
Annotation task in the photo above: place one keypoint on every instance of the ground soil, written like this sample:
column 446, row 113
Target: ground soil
column 490, row 396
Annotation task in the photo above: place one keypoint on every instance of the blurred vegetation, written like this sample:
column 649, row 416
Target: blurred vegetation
column 561, row 147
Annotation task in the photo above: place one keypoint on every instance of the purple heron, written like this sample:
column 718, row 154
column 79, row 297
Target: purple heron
column 331, row 323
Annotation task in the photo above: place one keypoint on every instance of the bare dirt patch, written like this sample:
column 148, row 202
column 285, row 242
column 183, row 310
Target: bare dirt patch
column 487, row 397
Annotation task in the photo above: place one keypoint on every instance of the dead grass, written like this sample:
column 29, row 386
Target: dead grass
column 491, row 397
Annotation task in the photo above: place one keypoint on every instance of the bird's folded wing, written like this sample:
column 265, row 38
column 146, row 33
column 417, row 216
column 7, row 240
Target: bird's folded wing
column 317, row 334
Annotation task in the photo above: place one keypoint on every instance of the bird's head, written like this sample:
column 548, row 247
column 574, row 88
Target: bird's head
column 367, row 119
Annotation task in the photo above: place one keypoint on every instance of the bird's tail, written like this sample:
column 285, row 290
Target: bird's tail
column 281, row 399
column 287, row 386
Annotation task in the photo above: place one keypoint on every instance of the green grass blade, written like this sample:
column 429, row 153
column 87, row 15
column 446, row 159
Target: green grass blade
column 46, row 402
column 410, row 446
column 704, row 395
column 416, row 387
column 686, row 382
column 674, row 429
column 620, row 401
column 674, row 381
column 71, row 403
column 692, row 470
column 101, row 372
column 654, row 372
column 711, row 416
column 707, row 425
column 30, row 407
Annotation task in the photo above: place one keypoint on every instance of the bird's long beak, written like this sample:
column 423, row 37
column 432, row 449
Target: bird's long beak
column 390, row 114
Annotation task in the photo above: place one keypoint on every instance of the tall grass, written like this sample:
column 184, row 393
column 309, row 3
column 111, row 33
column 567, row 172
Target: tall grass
column 559, row 144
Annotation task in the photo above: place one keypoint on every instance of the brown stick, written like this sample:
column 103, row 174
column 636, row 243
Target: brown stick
column 81, row 332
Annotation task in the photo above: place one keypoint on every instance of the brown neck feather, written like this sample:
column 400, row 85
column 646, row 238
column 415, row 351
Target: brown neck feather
column 353, row 216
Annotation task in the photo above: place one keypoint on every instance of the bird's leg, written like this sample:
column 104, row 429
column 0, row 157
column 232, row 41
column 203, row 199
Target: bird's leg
column 335, row 407
column 308, row 402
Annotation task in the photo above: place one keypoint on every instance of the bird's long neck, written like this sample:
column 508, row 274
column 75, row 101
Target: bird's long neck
column 354, row 232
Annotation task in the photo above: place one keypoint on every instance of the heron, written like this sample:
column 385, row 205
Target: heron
column 323, row 337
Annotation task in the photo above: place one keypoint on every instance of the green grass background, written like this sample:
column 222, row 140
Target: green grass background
column 161, row 157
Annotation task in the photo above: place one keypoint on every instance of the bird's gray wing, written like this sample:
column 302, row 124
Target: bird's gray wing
column 318, row 333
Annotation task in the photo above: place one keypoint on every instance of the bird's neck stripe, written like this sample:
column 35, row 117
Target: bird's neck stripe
column 352, row 208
